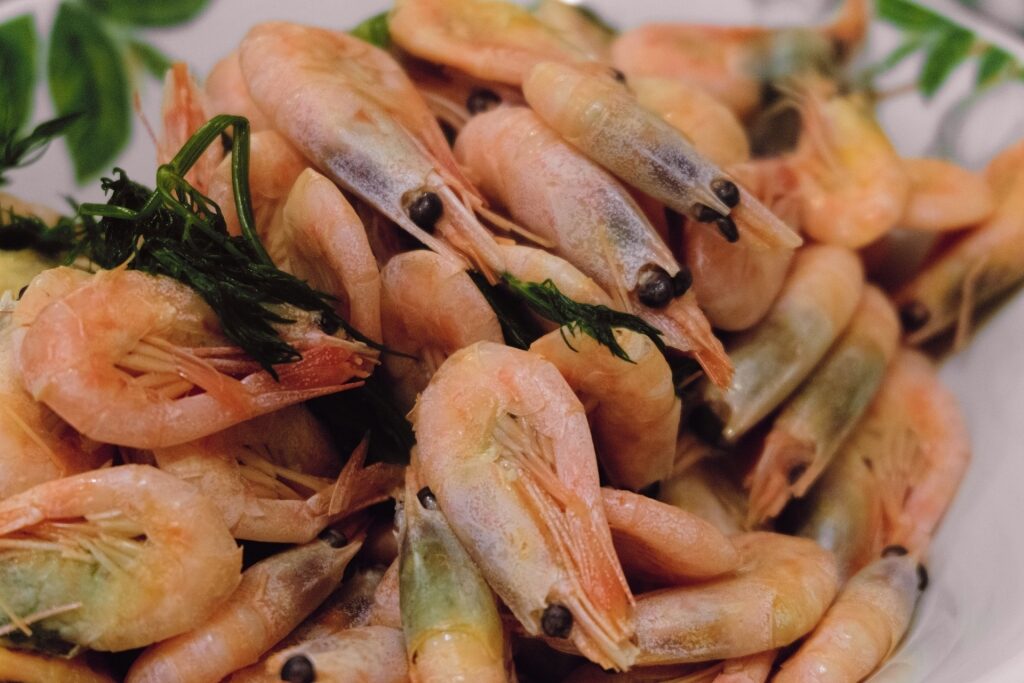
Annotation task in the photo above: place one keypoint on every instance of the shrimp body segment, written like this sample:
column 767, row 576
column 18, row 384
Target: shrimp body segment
column 816, row 303
column 592, row 220
column 780, row 591
column 29, row 667
column 862, row 628
column 632, row 407
column 129, row 380
column 605, row 122
column 112, row 559
column 826, row 409
column 452, row 629
column 274, row 596
column 944, row 196
column 349, row 108
column 504, row 445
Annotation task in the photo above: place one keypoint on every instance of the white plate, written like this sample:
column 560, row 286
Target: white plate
column 970, row 626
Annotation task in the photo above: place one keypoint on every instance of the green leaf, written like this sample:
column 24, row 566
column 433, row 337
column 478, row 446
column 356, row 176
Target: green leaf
column 149, row 12
column 87, row 76
column 994, row 62
column 18, row 66
column 152, row 60
column 944, row 56
column 897, row 56
column 16, row 152
column 910, row 15
column 375, row 31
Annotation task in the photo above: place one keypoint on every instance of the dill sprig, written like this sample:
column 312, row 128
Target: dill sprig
column 518, row 329
column 16, row 152
column 25, row 231
column 594, row 320
column 178, row 232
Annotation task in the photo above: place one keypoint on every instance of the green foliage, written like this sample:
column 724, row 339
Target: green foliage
column 149, row 13
column 375, row 31
column 18, row 66
column 151, row 59
column 16, row 151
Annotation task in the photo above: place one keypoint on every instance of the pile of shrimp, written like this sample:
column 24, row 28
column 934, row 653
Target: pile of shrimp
column 751, row 496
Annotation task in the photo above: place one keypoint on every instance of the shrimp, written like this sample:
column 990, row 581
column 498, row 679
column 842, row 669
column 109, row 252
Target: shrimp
column 749, row 669
column 853, row 186
column 707, row 490
column 493, row 40
column 227, row 93
column 184, row 112
column 263, row 500
column 661, row 543
column 710, row 126
column 575, row 25
column 349, row 108
column 816, row 303
column 677, row 673
column 717, row 266
column 503, row 444
column 274, row 596
column 29, row 667
column 386, row 608
column 944, row 196
column 132, row 380
column 368, row 654
column 112, row 559
column 826, row 409
column 863, row 627
column 556, row 192
column 632, row 406
column 732, row 63
column 781, row 590
column 978, row 267
column 604, row 121
column 414, row 285
column 455, row 97
column 452, row 629
column 530, row 264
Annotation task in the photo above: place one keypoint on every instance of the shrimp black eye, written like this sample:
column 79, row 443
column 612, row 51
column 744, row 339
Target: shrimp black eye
column 334, row 538
column 481, row 100
column 655, row 287
column 727, row 227
column 914, row 316
column 922, row 577
column 727, row 191
column 682, row 281
column 705, row 214
column 298, row 669
column 556, row 621
column 426, row 498
column 796, row 472
column 618, row 75
column 21, row 292
column 426, row 210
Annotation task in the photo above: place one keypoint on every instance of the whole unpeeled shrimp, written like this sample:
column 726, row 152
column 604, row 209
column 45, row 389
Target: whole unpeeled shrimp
column 593, row 222
column 632, row 406
column 816, row 303
column 453, row 633
column 134, row 379
column 779, row 593
column 227, row 93
column 431, row 309
column 350, row 109
column 605, row 122
column 275, row 595
column 863, row 627
column 504, row 445
column 853, row 186
column 368, row 654
column 29, row 667
column 944, row 196
column 112, row 560
column 826, row 408
column 978, row 267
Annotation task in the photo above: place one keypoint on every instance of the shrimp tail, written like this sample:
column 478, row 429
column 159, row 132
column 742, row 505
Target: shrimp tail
column 779, row 471
column 687, row 329
column 357, row 487
column 761, row 228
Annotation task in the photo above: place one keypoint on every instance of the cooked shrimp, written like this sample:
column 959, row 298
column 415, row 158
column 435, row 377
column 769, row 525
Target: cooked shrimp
column 593, row 222
column 264, row 500
column 781, row 590
column 431, row 309
column 826, row 409
column 749, row 669
column 707, row 490
column 493, row 40
column 717, row 265
column 632, row 406
column 369, row 654
column 275, row 595
column 453, row 633
column 731, row 63
column 227, row 93
column 111, row 560
column 944, row 196
column 604, row 121
column 661, row 543
column 531, row 264
column 386, row 608
column 981, row 265
column 816, row 303
column 578, row 27
column 132, row 379
column 184, row 112
column 710, row 126
column 349, row 108
column 455, row 97
column 674, row 673
column 504, row 446
column 853, row 186
column 863, row 627
column 28, row 667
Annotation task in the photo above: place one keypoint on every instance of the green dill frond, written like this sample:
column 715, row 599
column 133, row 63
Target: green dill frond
column 597, row 321
column 374, row 31
column 24, row 231
column 518, row 329
column 17, row 152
